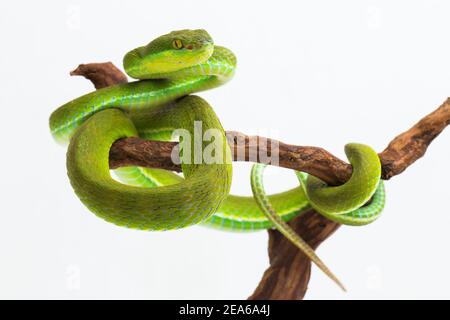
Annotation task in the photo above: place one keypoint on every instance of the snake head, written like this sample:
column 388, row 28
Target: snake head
column 169, row 53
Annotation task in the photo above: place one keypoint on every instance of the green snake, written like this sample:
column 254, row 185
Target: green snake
column 158, row 105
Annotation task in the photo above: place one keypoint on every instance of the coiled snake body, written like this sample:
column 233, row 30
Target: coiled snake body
column 170, row 69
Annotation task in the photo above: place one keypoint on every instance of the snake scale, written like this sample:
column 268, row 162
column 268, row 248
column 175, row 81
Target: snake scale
column 158, row 104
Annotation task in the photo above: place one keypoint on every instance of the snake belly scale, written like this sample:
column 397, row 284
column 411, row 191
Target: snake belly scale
column 168, row 71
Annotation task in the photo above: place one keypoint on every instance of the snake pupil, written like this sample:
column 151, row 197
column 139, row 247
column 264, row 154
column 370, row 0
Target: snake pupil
column 177, row 44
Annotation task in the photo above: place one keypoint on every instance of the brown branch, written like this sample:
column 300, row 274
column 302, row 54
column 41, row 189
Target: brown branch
column 316, row 161
column 101, row 74
column 288, row 274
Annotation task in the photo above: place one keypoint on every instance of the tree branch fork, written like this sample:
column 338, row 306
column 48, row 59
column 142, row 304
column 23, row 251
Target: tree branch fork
column 289, row 272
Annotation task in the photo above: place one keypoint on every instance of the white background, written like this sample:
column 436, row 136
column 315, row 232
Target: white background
column 311, row 73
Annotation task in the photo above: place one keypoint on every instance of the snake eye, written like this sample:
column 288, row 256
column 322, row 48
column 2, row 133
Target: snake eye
column 177, row 44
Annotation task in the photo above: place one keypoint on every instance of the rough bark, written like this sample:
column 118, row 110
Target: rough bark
column 289, row 272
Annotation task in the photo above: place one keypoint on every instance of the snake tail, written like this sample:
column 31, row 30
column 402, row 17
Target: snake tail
column 345, row 204
column 265, row 206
